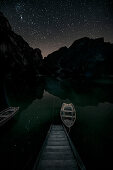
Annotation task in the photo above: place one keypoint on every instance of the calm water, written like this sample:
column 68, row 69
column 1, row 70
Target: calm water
column 92, row 134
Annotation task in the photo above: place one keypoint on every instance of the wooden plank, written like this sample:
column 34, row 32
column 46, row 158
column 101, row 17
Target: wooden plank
column 57, row 132
column 57, row 163
column 66, row 152
column 59, row 168
column 57, row 156
column 58, row 150
column 57, row 139
column 57, row 143
column 58, row 147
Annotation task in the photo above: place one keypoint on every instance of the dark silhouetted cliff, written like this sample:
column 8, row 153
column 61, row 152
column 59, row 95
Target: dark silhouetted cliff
column 17, row 59
column 84, row 58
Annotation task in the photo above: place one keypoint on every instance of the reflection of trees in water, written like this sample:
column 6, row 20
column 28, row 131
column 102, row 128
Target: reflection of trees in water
column 78, row 93
column 57, row 88
column 22, row 93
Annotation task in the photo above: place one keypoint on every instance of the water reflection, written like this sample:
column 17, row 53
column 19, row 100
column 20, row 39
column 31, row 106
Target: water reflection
column 40, row 105
column 80, row 94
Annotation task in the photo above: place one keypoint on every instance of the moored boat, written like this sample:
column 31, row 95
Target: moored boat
column 7, row 114
column 68, row 114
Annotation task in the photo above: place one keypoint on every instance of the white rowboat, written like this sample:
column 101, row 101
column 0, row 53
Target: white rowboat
column 68, row 114
column 7, row 114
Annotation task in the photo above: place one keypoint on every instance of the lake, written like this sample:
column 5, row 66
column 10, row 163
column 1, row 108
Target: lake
column 40, row 103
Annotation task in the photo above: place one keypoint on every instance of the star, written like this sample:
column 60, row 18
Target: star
column 59, row 23
column 21, row 17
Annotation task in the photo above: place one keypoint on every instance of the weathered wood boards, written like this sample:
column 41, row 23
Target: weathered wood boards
column 57, row 153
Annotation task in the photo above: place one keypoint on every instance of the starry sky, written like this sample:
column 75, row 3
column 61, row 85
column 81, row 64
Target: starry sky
column 51, row 24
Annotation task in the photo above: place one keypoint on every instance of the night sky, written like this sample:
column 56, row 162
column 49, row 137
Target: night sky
column 51, row 24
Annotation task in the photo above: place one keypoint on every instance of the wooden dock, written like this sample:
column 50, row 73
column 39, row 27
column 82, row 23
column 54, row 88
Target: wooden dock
column 58, row 152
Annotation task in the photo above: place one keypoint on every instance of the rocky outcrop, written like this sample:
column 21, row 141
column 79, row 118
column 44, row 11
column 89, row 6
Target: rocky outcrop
column 84, row 58
column 18, row 60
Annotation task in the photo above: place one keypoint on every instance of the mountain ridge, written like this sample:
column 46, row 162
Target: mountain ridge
column 86, row 57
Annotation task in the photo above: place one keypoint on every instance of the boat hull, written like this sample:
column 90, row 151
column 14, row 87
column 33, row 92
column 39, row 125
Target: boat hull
column 68, row 114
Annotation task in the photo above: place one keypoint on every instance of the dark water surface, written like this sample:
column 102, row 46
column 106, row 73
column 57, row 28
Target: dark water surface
column 92, row 134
